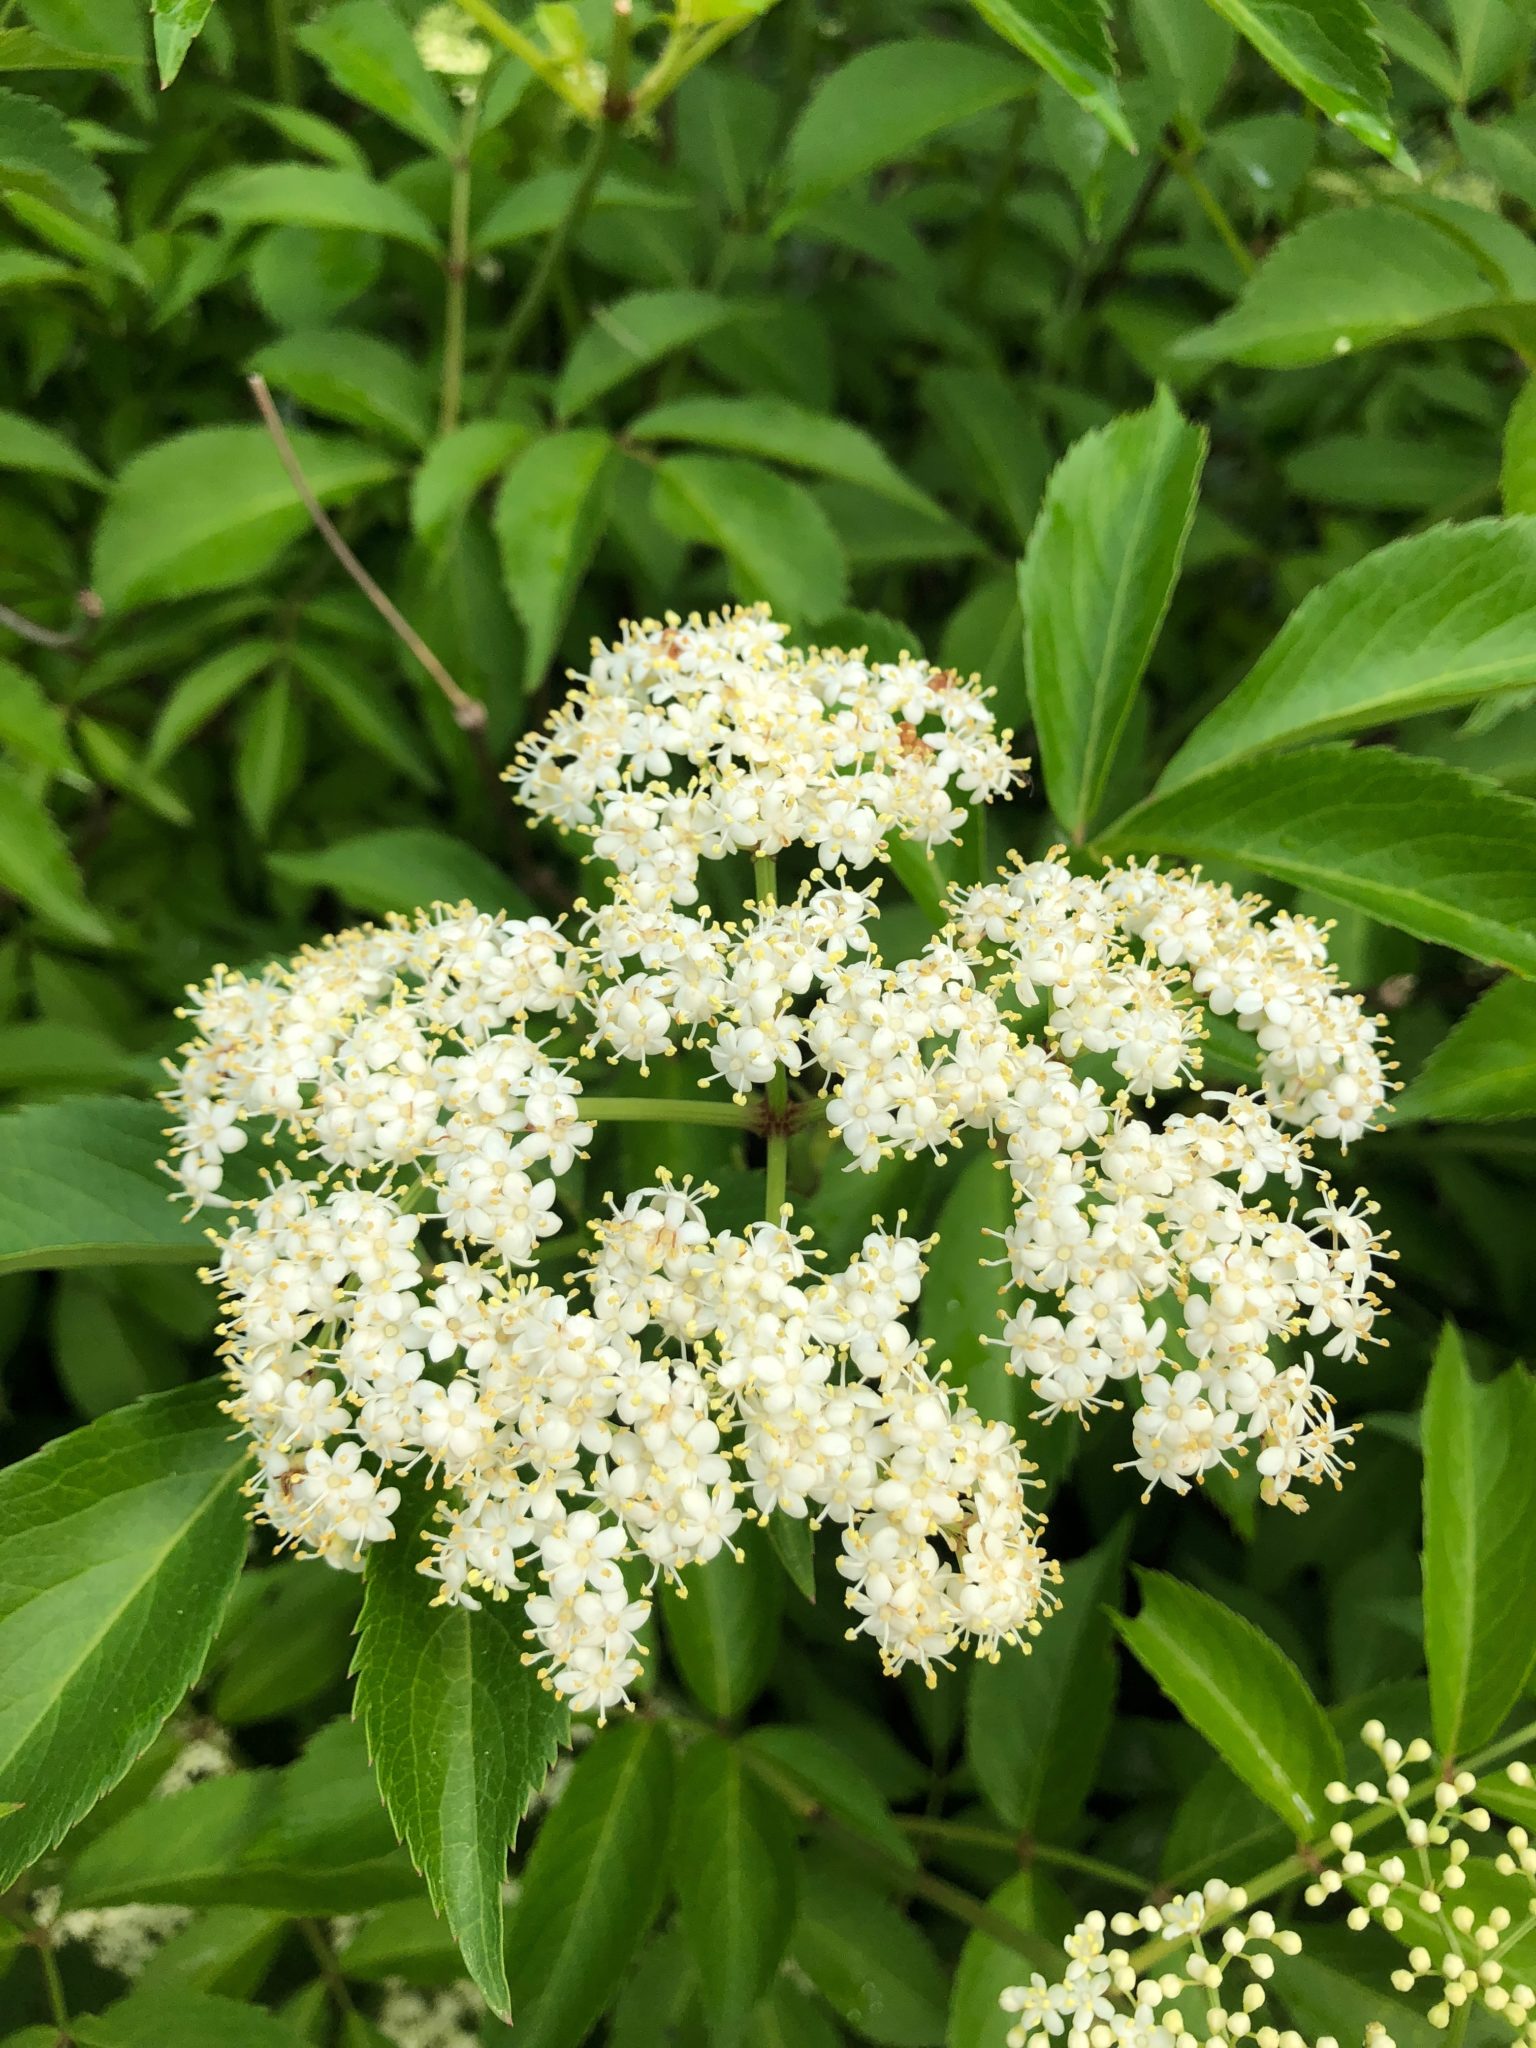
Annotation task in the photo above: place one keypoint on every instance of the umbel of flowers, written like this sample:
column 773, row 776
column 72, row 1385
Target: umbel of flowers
column 430, row 1082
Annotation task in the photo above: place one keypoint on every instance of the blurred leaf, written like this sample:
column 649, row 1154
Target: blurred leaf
column 347, row 374
column 404, row 868
column 735, row 1873
column 1517, row 476
column 32, row 725
column 829, row 1776
column 1440, row 618
column 312, row 196
column 103, row 1354
column 1246, row 1697
column 461, row 1734
column 118, row 1548
column 884, row 103
column 36, row 863
column 1036, row 1724
column 27, row 444
column 214, row 507
column 112, row 760
column 995, row 436
column 865, row 1957
column 781, row 431
column 1069, row 40
column 80, row 1186
column 987, row 1967
column 365, row 705
column 161, row 2017
column 536, row 205
column 591, row 1886
column 40, row 159
column 1095, row 586
column 371, row 56
column 1330, row 50
column 292, row 1649
column 1484, row 1067
column 50, row 1054
column 1436, row 852
column 773, row 533
column 177, row 25
column 455, row 468
column 269, row 758
column 632, row 334
column 1479, row 1545
column 1500, row 154
column 723, row 1624
column 964, row 1297
column 203, row 693
column 550, row 515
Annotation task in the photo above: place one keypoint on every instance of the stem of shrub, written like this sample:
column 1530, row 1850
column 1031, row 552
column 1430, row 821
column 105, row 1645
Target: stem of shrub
column 458, row 275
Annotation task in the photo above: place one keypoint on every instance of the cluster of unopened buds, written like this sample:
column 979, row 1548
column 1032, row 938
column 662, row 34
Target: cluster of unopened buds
column 429, row 1084
column 1204, row 1972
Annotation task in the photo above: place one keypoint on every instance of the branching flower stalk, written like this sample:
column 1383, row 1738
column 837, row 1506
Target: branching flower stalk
column 430, row 1084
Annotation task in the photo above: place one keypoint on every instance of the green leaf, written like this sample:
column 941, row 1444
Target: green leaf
column 536, row 205
column 987, row 1967
column 455, row 468
column 24, row 49
column 269, row 757
column 996, row 437
column 1069, row 40
column 722, row 1623
column 371, row 56
column 105, row 1357
column 963, row 1295
column 592, row 1885
column 215, row 507
column 865, row 1957
column 294, row 1647
column 203, row 693
column 1484, row 1067
column 112, row 760
column 1499, row 153
column 1479, row 1442
column 1440, row 618
column 365, row 705
column 1246, row 1697
column 312, row 196
column 1036, row 1725
column 550, row 515
column 461, row 1734
column 40, row 159
column 402, row 868
column 780, row 431
column 883, row 104
column 1348, row 280
column 1430, row 849
column 1330, row 50
column 1517, row 472
column 118, row 1549
column 1320, row 1996
column 26, row 444
column 177, row 25
column 160, row 2017
column 830, row 1778
column 632, row 334
column 37, row 865
column 794, row 1545
column 735, row 1871
column 778, row 541
column 32, row 725
column 1095, row 585
column 346, row 374
column 80, row 1185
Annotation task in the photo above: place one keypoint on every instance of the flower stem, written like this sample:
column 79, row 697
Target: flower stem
column 766, row 882
column 966, row 1834
column 1182, row 161
column 458, row 275
column 660, row 1109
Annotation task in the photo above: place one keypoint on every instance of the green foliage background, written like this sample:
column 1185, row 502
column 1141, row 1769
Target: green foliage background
column 804, row 303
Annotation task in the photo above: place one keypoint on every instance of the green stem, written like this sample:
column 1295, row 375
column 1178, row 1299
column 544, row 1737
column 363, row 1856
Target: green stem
column 458, row 275
column 330, row 1970
column 539, row 62
column 58, row 2004
column 285, row 80
column 967, row 1834
column 1305, row 1862
column 683, row 51
column 1183, row 163
column 663, row 1109
column 765, row 881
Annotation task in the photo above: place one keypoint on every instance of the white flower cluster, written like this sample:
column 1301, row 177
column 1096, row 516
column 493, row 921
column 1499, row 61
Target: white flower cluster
column 1216, row 1990
column 384, row 1313
column 447, row 2017
column 690, row 740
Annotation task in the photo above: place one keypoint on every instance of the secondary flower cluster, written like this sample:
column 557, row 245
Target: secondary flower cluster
column 689, row 740
column 1205, row 1973
column 420, row 1078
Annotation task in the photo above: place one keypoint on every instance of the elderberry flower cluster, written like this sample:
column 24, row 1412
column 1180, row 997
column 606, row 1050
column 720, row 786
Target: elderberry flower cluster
column 429, row 1087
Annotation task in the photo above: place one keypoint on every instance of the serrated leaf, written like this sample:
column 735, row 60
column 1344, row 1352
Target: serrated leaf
column 1485, row 1066
column 883, row 104
column 1479, row 1442
column 1517, row 471
column 1069, row 40
column 1437, row 619
column 27, row 444
column 549, row 518
column 371, row 56
column 455, row 468
column 633, row 333
column 403, row 868
column 1094, row 587
column 312, row 196
column 591, row 1886
column 346, row 374
column 80, row 1185
column 31, row 724
column 1036, row 1725
column 215, row 507
column 722, row 1621
column 118, row 1549
column 37, row 865
column 735, row 1881
column 177, row 25
column 461, row 1734
column 776, row 538
column 41, row 160
column 1436, row 852
column 1330, row 50
column 1245, row 1696
column 781, row 431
